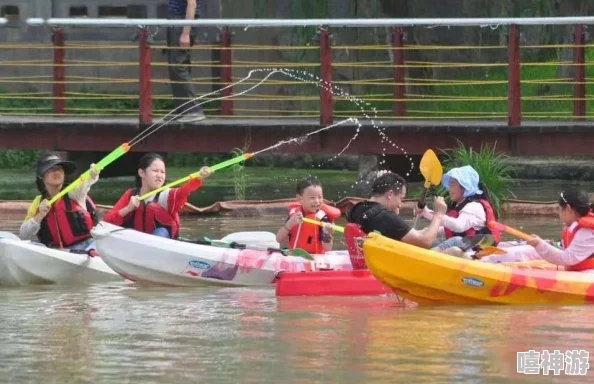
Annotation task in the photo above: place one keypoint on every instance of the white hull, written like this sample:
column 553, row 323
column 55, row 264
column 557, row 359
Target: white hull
column 150, row 259
column 23, row 263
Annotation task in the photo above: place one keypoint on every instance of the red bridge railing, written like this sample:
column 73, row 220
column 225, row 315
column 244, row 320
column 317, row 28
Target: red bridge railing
column 413, row 88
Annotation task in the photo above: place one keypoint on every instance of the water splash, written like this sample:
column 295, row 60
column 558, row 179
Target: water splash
column 301, row 139
column 305, row 77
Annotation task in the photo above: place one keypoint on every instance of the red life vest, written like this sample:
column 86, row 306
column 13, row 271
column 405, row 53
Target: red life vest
column 148, row 217
column 307, row 236
column 567, row 237
column 67, row 223
column 351, row 234
column 489, row 215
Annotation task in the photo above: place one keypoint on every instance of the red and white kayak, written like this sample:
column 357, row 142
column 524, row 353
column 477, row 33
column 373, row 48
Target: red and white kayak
column 149, row 259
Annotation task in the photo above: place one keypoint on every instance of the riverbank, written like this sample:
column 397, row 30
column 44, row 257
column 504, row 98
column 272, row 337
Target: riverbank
column 251, row 208
column 528, row 168
column 269, row 184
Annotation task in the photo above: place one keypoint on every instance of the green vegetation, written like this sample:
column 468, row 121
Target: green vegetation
column 257, row 183
column 16, row 159
column 545, row 96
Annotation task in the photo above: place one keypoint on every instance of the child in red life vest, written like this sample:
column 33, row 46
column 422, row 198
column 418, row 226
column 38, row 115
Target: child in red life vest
column 68, row 222
column 471, row 209
column 575, row 211
column 310, row 204
column 158, row 214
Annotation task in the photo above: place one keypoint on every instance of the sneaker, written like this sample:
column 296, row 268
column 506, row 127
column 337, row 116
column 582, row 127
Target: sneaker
column 192, row 117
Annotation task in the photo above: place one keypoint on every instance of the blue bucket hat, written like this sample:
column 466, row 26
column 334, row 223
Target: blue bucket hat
column 466, row 176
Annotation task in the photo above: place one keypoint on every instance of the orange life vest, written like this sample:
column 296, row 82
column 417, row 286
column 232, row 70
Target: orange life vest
column 307, row 236
column 67, row 223
column 489, row 214
column 567, row 237
column 148, row 217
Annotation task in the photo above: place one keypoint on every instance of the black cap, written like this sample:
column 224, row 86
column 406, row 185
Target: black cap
column 45, row 164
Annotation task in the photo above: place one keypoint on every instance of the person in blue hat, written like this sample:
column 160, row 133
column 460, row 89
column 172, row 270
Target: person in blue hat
column 470, row 210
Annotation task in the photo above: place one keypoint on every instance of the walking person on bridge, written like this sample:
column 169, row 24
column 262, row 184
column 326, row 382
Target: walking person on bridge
column 179, row 59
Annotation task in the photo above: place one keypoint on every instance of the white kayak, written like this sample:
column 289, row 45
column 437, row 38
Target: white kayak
column 24, row 263
column 149, row 259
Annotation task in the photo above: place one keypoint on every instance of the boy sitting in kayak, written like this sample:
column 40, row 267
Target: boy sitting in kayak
column 310, row 204
column 379, row 213
column 577, row 238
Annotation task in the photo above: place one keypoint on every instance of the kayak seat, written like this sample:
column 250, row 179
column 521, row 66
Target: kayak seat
column 354, row 236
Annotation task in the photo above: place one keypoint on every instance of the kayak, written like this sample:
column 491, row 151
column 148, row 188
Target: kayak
column 24, row 263
column 355, row 281
column 149, row 259
column 429, row 277
column 330, row 283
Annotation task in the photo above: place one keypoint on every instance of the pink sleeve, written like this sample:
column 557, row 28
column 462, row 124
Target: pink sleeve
column 581, row 247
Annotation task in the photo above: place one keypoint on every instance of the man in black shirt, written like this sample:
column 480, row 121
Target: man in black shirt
column 379, row 212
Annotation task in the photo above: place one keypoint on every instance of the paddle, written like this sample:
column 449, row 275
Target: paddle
column 477, row 242
column 494, row 226
column 488, row 251
column 236, row 245
column 213, row 169
column 110, row 158
column 301, row 253
column 432, row 171
column 252, row 237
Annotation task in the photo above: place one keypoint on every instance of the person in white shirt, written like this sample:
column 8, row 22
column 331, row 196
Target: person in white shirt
column 470, row 210
column 577, row 239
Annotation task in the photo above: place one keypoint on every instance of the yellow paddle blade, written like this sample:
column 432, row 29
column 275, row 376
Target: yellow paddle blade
column 431, row 168
column 488, row 251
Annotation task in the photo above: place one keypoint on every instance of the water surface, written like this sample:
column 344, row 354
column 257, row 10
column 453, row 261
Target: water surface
column 128, row 334
column 123, row 333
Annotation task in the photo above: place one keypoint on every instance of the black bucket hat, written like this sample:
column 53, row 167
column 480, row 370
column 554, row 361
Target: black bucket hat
column 48, row 162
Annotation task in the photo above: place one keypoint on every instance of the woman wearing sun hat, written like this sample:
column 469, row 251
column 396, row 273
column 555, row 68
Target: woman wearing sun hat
column 67, row 223
column 470, row 210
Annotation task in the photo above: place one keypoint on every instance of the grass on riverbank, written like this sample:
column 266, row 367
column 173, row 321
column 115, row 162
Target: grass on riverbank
column 545, row 96
column 263, row 184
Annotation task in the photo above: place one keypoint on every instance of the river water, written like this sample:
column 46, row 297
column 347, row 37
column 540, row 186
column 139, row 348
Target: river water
column 123, row 333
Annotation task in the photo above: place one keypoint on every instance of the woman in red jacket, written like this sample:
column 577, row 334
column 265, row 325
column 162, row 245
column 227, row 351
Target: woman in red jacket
column 158, row 214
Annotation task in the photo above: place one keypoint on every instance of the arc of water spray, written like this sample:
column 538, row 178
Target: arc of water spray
column 291, row 73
